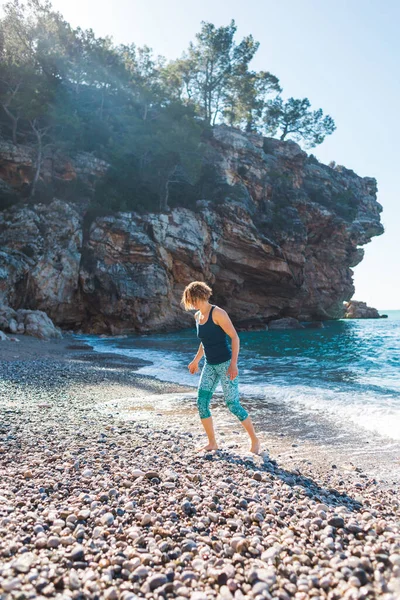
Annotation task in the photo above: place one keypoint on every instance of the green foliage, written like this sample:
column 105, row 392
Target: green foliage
column 209, row 75
column 66, row 88
column 313, row 159
column 122, row 189
column 294, row 118
column 246, row 98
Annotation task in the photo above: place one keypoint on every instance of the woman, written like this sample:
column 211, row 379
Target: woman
column 213, row 325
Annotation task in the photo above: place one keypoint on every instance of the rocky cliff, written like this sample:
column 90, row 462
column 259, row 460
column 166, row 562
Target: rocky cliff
column 280, row 243
column 359, row 310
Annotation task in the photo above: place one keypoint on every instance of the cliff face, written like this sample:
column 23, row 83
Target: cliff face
column 281, row 243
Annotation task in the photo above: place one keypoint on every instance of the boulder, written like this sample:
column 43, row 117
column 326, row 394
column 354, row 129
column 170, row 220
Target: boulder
column 38, row 324
column 285, row 323
column 32, row 322
column 13, row 325
column 359, row 310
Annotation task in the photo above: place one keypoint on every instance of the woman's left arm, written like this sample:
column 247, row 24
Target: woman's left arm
column 222, row 319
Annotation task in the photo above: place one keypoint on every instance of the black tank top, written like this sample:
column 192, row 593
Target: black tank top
column 214, row 340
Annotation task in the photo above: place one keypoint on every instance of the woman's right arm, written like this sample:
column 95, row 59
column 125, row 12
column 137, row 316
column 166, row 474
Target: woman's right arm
column 200, row 353
column 194, row 365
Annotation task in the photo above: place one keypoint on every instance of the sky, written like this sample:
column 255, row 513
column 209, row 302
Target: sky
column 343, row 56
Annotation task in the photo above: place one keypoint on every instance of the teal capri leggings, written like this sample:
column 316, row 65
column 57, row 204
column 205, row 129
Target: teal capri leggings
column 209, row 378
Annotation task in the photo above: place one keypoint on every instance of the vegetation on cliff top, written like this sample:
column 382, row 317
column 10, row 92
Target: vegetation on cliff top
column 67, row 89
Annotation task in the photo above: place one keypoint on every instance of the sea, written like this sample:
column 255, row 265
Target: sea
column 341, row 382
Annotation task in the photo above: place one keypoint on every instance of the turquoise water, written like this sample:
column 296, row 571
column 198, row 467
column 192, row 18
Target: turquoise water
column 349, row 371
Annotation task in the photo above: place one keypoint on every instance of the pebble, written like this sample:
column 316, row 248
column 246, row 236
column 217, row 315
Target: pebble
column 96, row 507
column 111, row 594
column 157, row 580
column 53, row 542
column 10, row 585
column 337, row 522
column 107, row 519
column 189, row 546
column 146, row 520
column 395, row 559
column 77, row 553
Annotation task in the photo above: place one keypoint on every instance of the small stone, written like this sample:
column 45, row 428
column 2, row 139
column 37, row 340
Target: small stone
column 77, row 553
column 111, row 594
column 337, row 522
column 137, row 473
column 187, row 507
column 157, row 580
column 188, row 575
column 354, row 581
column 107, row 519
column 189, row 546
column 49, row 590
column 270, row 554
column 74, row 581
column 225, row 593
column 222, row 578
column 329, row 543
column 141, row 571
column 361, row 575
column 152, row 475
column 53, row 542
column 353, row 527
column 28, row 474
column 67, row 540
column 97, row 532
column 10, row 584
column 259, row 588
column 146, row 520
column 24, row 562
column 198, row 596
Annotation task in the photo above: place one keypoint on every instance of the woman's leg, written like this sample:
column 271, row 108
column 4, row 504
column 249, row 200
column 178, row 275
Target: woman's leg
column 231, row 393
column 255, row 442
column 207, row 384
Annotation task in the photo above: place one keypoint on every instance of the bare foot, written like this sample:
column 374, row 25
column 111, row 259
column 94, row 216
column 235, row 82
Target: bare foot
column 255, row 446
column 208, row 447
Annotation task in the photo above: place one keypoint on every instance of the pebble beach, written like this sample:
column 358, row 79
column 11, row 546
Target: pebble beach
column 95, row 506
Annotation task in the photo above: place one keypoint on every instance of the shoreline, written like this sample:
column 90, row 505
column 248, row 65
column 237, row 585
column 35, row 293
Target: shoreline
column 286, row 435
column 94, row 505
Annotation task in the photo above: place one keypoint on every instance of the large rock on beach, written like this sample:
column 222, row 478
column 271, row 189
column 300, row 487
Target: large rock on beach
column 30, row 322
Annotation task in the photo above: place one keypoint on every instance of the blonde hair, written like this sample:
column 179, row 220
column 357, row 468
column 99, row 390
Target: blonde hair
column 197, row 290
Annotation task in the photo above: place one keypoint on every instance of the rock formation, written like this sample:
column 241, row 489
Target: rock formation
column 280, row 244
column 30, row 322
column 360, row 310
